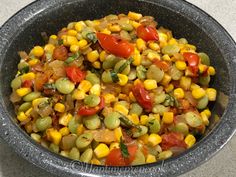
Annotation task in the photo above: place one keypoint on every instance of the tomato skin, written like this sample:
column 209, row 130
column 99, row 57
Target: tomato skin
column 172, row 139
column 193, row 61
column 118, row 47
column 161, row 64
column 147, row 33
column 115, row 157
column 27, row 83
column 75, row 74
column 142, row 97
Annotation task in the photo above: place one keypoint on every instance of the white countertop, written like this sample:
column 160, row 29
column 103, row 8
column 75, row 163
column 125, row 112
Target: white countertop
column 221, row 165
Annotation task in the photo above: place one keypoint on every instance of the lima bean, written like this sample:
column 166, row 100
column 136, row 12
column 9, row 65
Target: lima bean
column 87, row 155
column 204, row 80
column 120, row 64
column 182, row 128
column 73, row 124
column 193, row 119
column 74, row 153
column 92, row 122
column 31, row 96
column 139, row 132
column 16, row 83
column 110, row 62
column 136, row 109
column 106, row 77
column 159, row 109
column 160, row 98
column 141, row 72
column 84, row 140
column 154, row 125
column 170, row 49
column 24, row 106
column 175, row 73
column 139, row 158
column 165, row 155
column 64, row 85
column 54, row 148
column 202, row 102
column 92, row 78
column 92, row 100
column 112, row 120
column 43, row 123
column 155, row 73
column 204, row 58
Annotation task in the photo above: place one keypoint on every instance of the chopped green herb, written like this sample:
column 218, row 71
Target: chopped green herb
column 92, row 37
column 60, row 41
column 170, row 101
column 114, row 76
column 124, row 149
column 72, row 58
column 122, row 68
column 24, row 70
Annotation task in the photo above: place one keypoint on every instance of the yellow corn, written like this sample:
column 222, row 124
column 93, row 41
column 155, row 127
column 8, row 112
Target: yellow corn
column 166, row 79
column 131, row 97
column 150, row 84
column 28, row 76
column 49, row 48
column 181, row 65
column 72, row 32
column 33, row 62
column 95, row 161
column 123, row 79
column 70, row 40
column 21, row 116
column 64, row 131
column 211, row 94
column 85, row 85
column 121, row 109
column 134, row 23
column 172, row 41
column 179, row 93
column 109, row 98
column 114, row 28
column 78, row 94
column 134, row 16
column 211, row 71
column 118, row 134
column 185, row 82
column 65, row 119
column 141, row 44
column 137, row 81
column 137, row 57
column 106, row 31
column 153, row 55
column 37, row 51
column 114, row 146
column 102, row 55
column 169, row 88
column 55, row 136
column 53, row 37
column 74, row 48
column 144, row 138
column 162, row 37
column 28, row 112
column 143, row 119
column 79, row 26
column 23, row 91
column 96, row 22
column 166, row 57
column 154, row 139
column 122, row 96
column 202, row 68
column 194, row 86
column 95, row 89
column 59, row 107
column 153, row 46
column 150, row 158
column 190, row 140
column 168, row 117
column 198, row 93
column 102, row 150
column 207, row 112
column 82, row 43
column 134, row 118
column 96, row 64
column 93, row 56
column 204, row 118
column 80, row 129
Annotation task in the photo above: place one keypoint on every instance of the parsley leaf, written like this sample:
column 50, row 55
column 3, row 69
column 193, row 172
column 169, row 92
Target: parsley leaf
column 124, row 149
column 114, row 76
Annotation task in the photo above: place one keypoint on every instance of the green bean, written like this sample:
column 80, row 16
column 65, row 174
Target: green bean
column 93, row 78
column 84, row 140
column 92, row 100
column 204, row 80
column 31, row 96
column 182, row 128
column 141, row 72
column 165, row 155
column 175, row 73
column 54, row 148
column 110, row 62
column 159, row 109
column 193, row 119
column 139, row 132
column 43, row 123
column 119, row 65
column 74, row 153
column 86, row 156
column 170, row 49
column 139, row 158
column 16, row 83
column 24, row 106
column 92, row 122
column 183, row 41
column 106, row 77
column 155, row 73
column 64, row 86
column 202, row 102
column 112, row 120
column 68, row 141
column 204, row 58
column 73, row 124
column 160, row 98
column 136, row 109
column 154, row 125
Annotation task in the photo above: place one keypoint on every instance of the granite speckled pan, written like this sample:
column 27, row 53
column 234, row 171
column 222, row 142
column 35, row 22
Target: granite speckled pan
column 22, row 31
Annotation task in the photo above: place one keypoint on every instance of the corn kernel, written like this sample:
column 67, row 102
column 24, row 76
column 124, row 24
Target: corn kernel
column 102, row 55
column 78, row 94
column 72, row 33
column 28, row 76
column 190, row 140
column 211, row 71
column 169, row 88
column 180, row 65
column 114, row 28
column 70, row 40
column 144, row 138
column 118, row 133
column 134, row 16
column 79, row 26
column 166, row 57
column 211, row 94
column 134, row 24
column 141, row 44
column 122, row 96
column 150, row 158
column 179, row 93
column 93, row 56
column 114, row 146
column 37, row 51
column 168, row 117
column 143, row 119
column 96, row 22
column 162, row 37
column 137, row 57
column 194, row 86
column 49, row 48
column 134, row 118
column 154, row 46
column 85, row 85
column 65, row 119
column 95, row 161
column 153, row 55
column 198, row 93
column 207, row 112
column 106, row 31
column 80, row 129
column 53, row 37
column 23, row 91
column 95, row 89
column 204, row 118
column 172, row 41
column 101, row 150
column 123, row 79
column 59, row 107
column 131, row 97
column 166, row 80
column 154, row 139
column 21, row 116
column 121, row 109
column 64, row 131
column 109, row 98
column 202, row 68
column 82, row 43
column 150, row 84
column 137, row 81
column 74, row 48
column 55, row 137
column 33, row 62
column 96, row 64
column 28, row 112
column 185, row 82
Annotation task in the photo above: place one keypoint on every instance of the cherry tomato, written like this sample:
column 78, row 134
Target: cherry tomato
column 115, row 157
column 142, row 96
column 193, row 61
column 75, row 74
column 172, row 140
column 112, row 44
column 27, row 83
column 147, row 33
column 161, row 64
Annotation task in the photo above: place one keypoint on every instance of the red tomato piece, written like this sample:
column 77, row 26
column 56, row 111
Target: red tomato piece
column 172, row 140
column 115, row 157
column 147, row 33
column 142, row 97
column 193, row 61
column 75, row 74
column 27, row 83
column 112, row 44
